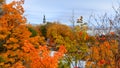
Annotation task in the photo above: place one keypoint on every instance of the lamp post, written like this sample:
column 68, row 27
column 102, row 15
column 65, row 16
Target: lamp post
column 82, row 24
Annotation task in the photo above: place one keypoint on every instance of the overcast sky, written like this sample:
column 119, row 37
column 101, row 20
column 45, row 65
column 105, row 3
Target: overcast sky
column 61, row 10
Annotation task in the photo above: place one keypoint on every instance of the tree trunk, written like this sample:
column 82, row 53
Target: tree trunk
column 117, row 57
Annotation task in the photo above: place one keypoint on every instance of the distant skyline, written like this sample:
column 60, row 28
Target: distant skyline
column 61, row 10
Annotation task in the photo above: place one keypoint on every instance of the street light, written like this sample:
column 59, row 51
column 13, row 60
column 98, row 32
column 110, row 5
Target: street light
column 80, row 20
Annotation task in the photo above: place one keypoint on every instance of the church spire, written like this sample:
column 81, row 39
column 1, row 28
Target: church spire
column 44, row 19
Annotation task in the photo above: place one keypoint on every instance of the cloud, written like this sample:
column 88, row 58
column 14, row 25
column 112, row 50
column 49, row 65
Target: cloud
column 62, row 9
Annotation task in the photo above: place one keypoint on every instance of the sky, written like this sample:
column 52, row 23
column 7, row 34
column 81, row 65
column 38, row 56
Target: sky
column 62, row 10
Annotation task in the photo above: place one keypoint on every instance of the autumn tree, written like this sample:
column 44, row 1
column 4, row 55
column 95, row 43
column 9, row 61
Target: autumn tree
column 76, row 41
column 40, row 57
column 80, row 49
column 107, row 25
column 102, row 53
column 19, row 48
column 12, row 36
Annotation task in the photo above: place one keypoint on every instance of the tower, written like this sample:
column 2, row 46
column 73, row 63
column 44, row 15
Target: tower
column 44, row 19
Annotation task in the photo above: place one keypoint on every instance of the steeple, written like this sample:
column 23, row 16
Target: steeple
column 44, row 19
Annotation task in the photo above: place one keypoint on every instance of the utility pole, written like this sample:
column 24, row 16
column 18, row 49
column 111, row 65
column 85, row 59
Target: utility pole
column 72, row 18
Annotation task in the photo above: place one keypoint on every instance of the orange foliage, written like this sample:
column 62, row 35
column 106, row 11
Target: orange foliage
column 19, row 50
column 13, row 32
column 17, row 53
column 103, row 54
column 40, row 58
column 101, row 62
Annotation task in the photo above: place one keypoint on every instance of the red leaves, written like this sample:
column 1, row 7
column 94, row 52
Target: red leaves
column 112, row 33
column 102, row 38
column 80, row 33
column 102, row 61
